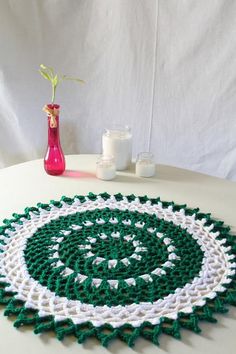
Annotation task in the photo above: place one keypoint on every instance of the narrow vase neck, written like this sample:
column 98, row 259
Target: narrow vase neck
column 53, row 133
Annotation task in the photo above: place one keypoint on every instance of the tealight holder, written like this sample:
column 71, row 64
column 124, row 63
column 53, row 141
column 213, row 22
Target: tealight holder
column 145, row 165
column 106, row 168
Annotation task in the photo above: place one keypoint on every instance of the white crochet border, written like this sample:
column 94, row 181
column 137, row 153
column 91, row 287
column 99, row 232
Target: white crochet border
column 216, row 268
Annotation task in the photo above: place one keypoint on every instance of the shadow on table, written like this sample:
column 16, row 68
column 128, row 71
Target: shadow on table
column 128, row 177
column 173, row 173
column 132, row 178
column 77, row 174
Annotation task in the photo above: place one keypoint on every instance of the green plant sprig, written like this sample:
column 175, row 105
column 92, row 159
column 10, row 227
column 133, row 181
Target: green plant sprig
column 55, row 79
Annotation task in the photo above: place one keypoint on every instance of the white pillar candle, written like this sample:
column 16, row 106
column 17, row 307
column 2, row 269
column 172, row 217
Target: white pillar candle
column 145, row 166
column 117, row 142
column 106, row 169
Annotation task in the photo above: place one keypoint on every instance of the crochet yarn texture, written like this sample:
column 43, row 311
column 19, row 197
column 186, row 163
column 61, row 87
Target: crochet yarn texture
column 114, row 266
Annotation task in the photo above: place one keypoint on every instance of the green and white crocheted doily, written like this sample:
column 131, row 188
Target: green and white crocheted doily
column 114, row 266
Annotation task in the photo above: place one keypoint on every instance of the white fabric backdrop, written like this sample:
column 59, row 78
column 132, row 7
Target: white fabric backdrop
column 167, row 68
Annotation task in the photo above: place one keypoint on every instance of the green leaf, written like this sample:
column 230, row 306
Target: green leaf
column 50, row 71
column 55, row 80
column 73, row 79
column 45, row 75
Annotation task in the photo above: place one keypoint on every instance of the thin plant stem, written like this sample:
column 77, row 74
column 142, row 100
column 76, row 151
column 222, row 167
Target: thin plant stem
column 53, row 93
column 48, row 74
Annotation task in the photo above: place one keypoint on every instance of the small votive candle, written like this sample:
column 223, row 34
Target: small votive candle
column 106, row 169
column 145, row 165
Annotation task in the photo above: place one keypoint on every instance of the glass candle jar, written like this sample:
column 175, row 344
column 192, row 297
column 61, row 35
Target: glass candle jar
column 106, row 169
column 145, row 165
column 117, row 142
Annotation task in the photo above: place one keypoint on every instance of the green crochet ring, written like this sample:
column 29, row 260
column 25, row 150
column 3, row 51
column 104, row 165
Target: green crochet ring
column 114, row 266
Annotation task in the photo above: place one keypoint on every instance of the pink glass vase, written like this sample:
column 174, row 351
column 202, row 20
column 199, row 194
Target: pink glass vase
column 54, row 160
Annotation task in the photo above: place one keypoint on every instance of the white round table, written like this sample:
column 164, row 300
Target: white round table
column 27, row 184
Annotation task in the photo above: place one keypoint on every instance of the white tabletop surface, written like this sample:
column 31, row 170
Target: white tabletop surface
column 27, row 184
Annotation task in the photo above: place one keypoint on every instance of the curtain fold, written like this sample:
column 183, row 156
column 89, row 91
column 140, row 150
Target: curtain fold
column 167, row 68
